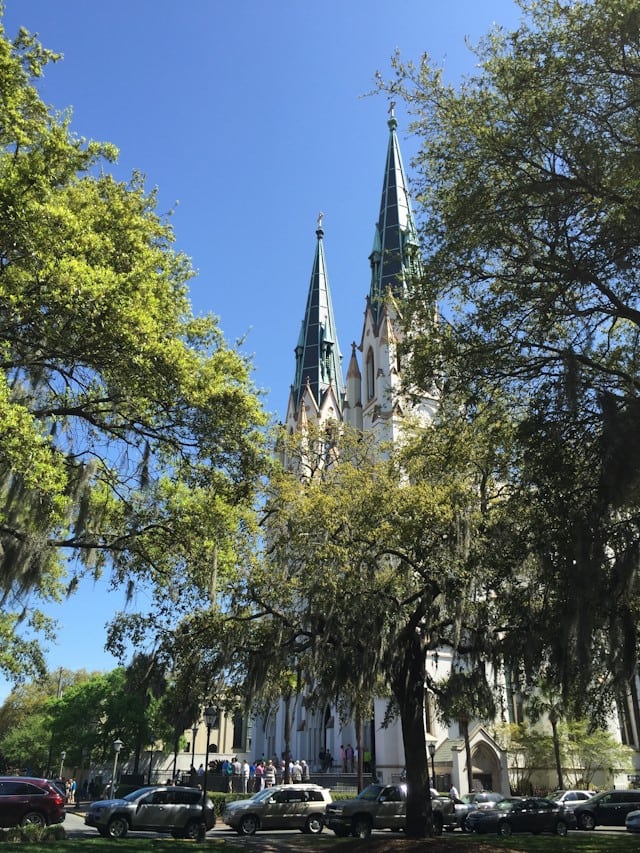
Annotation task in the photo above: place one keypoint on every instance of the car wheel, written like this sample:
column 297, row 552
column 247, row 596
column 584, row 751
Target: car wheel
column 118, row 827
column 361, row 827
column 193, row 830
column 314, row 824
column 504, row 829
column 248, row 825
column 561, row 828
column 466, row 826
column 33, row 819
column 587, row 821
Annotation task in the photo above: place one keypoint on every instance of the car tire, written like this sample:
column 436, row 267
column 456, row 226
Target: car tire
column 314, row 824
column 361, row 827
column 193, row 830
column 466, row 826
column 561, row 828
column 587, row 821
column 504, row 829
column 33, row 819
column 248, row 825
column 117, row 827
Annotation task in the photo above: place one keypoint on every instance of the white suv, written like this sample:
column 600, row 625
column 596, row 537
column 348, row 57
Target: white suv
column 299, row 806
column 163, row 808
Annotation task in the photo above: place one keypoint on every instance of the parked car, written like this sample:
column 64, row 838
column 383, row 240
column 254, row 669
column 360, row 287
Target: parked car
column 27, row 800
column 159, row 808
column 281, row 807
column 632, row 821
column 609, row 808
column 470, row 802
column 572, row 798
column 523, row 814
column 383, row 807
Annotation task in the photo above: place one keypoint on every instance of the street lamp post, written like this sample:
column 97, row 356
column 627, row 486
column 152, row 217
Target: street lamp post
column 63, row 755
column 209, row 718
column 194, row 733
column 432, row 752
column 152, row 743
column 117, row 746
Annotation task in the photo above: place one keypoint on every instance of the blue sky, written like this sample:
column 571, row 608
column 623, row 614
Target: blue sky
column 248, row 117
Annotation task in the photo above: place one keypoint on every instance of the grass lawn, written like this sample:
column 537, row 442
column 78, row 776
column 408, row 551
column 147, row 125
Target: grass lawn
column 581, row 842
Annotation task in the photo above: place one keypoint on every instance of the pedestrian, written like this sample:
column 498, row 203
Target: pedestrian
column 305, row 770
column 453, row 793
column 259, row 775
column 245, row 773
column 348, row 755
column 269, row 774
column 343, row 758
column 296, row 772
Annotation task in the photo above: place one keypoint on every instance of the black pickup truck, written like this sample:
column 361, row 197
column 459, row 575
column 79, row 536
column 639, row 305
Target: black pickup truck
column 383, row 807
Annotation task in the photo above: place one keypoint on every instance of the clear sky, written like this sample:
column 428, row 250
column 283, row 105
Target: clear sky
column 248, row 117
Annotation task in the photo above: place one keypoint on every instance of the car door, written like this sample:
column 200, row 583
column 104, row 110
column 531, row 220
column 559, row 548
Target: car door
column 297, row 809
column 391, row 811
column 12, row 804
column 275, row 811
column 153, row 812
column 543, row 815
column 610, row 810
column 521, row 816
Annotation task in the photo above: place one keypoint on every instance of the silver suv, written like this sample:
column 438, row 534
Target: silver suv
column 163, row 808
column 281, row 807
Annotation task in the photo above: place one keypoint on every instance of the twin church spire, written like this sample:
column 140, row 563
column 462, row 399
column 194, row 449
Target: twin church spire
column 319, row 391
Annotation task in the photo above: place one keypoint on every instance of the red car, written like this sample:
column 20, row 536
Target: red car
column 25, row 800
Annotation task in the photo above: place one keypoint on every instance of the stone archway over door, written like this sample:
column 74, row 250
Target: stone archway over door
column 485, row 767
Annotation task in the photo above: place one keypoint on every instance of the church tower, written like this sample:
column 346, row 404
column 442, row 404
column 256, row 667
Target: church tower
column 374, row 400
column 317, row 393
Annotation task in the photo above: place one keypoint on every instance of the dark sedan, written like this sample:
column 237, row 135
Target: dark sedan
column 528, row 814
column 476, row 800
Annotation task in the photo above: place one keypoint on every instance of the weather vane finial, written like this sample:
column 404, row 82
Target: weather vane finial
column 320, row 216
column 392, row 106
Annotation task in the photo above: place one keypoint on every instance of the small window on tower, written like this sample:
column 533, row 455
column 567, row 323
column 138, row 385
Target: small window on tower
column 370, row 375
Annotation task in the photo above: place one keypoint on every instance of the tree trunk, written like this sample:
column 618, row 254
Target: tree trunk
column 464, row 725
column 359, row 739
column 408, row 689
column 553, row 719
column 287, row 738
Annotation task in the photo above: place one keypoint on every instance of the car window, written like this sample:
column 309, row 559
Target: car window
column 316, row 796
column 188, row 797
column 371, row 792
column 9, row 789
column 295, row 796
column 157, row 798
column 392, row 794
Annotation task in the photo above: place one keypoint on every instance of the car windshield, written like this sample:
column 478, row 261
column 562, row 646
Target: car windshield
column 260, row 796
column 504, row 805
column 372, row 792
column 134, row 795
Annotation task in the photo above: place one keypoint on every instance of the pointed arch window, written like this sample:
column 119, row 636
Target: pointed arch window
column 370, row 375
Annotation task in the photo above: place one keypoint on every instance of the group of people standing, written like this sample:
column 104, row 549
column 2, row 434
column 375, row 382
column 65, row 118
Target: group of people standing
column 244, row 777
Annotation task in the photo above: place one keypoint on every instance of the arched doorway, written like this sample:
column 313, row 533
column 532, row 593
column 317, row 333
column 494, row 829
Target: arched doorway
column 485, row 768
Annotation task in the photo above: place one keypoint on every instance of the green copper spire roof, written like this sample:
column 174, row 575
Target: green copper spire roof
column 318, row 358
column 395, row 244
